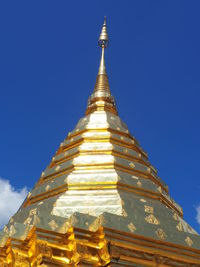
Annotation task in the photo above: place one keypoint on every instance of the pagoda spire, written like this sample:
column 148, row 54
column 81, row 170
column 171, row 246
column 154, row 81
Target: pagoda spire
column 103, row 43
column 101, row 99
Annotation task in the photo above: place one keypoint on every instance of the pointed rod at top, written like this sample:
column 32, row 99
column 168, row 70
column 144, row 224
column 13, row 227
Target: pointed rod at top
column 103, row 43
column 101, row 98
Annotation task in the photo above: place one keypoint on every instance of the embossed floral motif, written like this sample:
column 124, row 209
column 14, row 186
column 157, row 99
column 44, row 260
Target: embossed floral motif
column 57, row 168
column 139, row 184
column 179, row 226
column 175, row 216
column 161, row 234
column 33, row 212
column 47, row 187
column 148, row 209
column 131, row 227
column 152, row 219
column 132, row 165
column 189, row 241
column 124, row 213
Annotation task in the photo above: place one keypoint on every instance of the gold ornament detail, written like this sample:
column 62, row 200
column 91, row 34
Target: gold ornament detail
column 189, row 241
column 57, row 168
column 139, row 184
column 179, row 226
column 124, row 213
column 33, row 212
column 152, row 219
column 175, row 216
column 131, row 227
column 47, row 187
column 148, row 209
column 132, row 165
column 161, row 234
column 143, row 200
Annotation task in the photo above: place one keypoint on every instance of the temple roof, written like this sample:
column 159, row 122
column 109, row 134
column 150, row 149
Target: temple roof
column 100, row 175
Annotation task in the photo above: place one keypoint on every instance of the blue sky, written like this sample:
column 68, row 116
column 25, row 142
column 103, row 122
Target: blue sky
column 48, row 63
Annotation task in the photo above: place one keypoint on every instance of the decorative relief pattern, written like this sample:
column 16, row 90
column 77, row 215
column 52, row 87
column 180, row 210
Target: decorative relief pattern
column 148, row 209
column 47, row 187
column 175, row 216
column 124, row 213
column 132, row 165
column 33, row 212
column 152, row 219
column 179, row 226
column 189, row 241
column 161, row 234
column 131, row 227
column 57, row 168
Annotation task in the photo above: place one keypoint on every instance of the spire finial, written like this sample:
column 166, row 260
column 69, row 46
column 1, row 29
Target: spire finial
column 103, row 38
column 103, row 43
column 101, row 98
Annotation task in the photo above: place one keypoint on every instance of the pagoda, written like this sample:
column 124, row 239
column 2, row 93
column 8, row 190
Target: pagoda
column 99, row 202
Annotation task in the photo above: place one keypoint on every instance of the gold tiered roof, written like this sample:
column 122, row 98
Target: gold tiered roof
column 100, row 201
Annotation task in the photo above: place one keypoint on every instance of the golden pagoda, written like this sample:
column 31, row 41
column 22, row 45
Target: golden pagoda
column 100, row 201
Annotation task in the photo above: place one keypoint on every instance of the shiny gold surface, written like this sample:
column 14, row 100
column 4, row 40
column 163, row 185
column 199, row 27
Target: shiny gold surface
column 100, row 202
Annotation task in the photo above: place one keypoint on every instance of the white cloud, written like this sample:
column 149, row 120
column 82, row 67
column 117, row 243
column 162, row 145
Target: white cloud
column 198, row 214
column 10, row 200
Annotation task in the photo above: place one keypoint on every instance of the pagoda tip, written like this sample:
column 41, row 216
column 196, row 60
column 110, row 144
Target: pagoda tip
column 103, row 38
